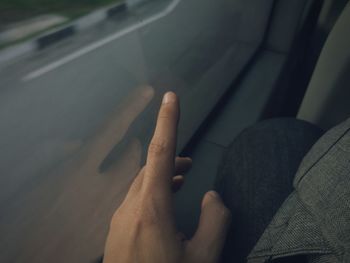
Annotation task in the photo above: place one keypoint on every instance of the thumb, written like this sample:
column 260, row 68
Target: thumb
column 209, row 239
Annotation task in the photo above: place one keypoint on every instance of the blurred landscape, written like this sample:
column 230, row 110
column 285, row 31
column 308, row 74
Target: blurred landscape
column 21, row 20
column 12, row 11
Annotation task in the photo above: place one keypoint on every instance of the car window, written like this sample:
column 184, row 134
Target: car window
column 78, row 105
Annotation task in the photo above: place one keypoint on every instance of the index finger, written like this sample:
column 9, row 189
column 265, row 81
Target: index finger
column 161, row 152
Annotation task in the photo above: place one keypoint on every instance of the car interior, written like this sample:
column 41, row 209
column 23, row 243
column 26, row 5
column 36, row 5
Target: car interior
column 232, row 64
column 299, row 71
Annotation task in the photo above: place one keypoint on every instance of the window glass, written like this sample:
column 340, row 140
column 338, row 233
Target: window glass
column 77, row 114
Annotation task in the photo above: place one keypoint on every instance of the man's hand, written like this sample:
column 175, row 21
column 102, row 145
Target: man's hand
column 143, row 228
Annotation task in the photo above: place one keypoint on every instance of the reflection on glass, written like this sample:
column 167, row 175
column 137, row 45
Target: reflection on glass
column 62, row 175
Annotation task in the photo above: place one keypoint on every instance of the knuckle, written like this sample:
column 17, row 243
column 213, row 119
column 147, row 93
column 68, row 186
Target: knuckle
column 142, row 214
column 147, row 214
column 165, row 115
column 158, row 147
column 167, row 112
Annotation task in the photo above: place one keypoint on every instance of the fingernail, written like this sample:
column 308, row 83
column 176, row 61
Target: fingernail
column 210, row 197
column 168, row 97
column 214, row 194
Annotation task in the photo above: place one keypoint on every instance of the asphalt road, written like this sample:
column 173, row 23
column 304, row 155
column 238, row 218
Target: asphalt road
column 56, row 198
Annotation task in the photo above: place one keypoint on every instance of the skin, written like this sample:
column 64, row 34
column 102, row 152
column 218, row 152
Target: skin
column 143, row 229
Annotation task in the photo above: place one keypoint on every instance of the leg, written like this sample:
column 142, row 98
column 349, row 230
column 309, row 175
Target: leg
column 256, row 176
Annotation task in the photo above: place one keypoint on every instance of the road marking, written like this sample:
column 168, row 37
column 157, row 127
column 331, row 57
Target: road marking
column 59, row 63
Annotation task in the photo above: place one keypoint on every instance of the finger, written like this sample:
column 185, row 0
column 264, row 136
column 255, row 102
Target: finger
column 177, row 183
column 118, row 123
column 214, row 222
column 181, row 237
column 136, row 184
column 182, row 165
column 160, row 165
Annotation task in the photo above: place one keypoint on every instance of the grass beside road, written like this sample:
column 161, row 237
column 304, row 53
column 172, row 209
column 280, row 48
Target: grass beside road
column 12, row 11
